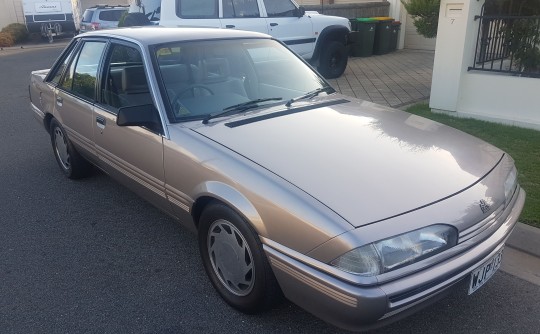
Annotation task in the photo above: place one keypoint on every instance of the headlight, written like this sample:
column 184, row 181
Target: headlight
column 386, row 255
column 510, row 184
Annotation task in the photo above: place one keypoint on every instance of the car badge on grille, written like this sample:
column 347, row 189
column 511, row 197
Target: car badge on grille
column 483, row 206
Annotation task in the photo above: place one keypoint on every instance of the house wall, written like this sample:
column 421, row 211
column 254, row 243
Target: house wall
column 489, row 96
column 504, row 99
column 10, row 12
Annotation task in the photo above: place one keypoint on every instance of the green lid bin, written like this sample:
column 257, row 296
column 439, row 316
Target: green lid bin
column 363, row 37
column 383, row 35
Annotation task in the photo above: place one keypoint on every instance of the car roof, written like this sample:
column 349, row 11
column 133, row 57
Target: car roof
column 150, row 35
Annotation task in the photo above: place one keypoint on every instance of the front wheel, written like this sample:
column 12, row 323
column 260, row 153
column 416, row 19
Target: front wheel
column 333, row 60
column 234, row 260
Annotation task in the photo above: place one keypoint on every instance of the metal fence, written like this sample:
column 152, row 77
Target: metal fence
column 508, row 44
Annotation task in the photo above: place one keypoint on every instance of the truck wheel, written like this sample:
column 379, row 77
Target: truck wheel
column 135, row 20
column 333, row 60
column 71, row 163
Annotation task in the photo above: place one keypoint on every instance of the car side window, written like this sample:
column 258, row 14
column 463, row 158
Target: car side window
column 125, row 82
column 197, row 9
column 240, row 8
column 82, row 74
column 59, row 70
column 279, row 8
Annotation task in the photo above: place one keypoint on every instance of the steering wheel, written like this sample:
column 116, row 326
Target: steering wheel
column 192, row 88
column 180, row 94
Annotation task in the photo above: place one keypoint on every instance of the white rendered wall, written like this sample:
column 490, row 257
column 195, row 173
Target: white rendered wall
column 490, row 96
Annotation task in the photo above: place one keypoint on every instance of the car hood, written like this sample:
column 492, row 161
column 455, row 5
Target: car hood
column 364, row 161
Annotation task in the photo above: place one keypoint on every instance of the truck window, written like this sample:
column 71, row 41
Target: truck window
column 197, row 9
column 279, row 8
column 240, row 8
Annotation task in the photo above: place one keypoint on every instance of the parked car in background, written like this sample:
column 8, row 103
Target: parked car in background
column 359, row 213
column 320, row 39
column 101, row 17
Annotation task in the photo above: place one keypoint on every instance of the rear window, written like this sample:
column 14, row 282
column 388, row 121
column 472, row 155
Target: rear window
column 87, row 16
column 111, row 15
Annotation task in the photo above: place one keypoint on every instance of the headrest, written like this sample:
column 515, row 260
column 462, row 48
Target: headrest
column 134, row 80
column 172, row 74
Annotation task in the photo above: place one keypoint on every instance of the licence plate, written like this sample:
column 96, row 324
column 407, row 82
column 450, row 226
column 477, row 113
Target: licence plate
column 483, row 273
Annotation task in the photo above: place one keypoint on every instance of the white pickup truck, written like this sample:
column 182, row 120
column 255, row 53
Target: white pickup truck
column 320, row 39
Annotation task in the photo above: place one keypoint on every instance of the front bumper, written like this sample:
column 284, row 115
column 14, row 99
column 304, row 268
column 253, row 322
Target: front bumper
column 355, row 307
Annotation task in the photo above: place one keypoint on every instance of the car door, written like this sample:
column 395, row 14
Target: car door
column 131, row 154
column 75, row 95
column 242, row 15
column 284, row 24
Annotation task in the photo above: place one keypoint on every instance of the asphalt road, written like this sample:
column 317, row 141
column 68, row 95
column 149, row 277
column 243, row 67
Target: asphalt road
column 90, row 256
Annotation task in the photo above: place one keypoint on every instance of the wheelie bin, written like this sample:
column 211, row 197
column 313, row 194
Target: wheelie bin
column 363, row 39
column 383, row 35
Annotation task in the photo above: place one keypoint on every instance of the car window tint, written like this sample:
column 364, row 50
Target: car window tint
column 87, row 16
column 111, row 15
column 240, row 8
column 279, row 8
column 197, row 9
column 81, row 78
column 125, row 80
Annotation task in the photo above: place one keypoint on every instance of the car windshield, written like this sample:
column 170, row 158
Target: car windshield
column 205, row 78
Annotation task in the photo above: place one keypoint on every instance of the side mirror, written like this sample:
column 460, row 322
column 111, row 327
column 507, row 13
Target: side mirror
column 145, row 115
column 300, row 11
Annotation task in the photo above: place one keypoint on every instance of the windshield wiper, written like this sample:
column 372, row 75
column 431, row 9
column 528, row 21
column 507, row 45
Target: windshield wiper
column 239, row 108
column 312, row 94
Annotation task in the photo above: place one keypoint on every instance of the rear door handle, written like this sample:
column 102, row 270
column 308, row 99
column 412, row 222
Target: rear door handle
column 230, row 26
column 273, row 24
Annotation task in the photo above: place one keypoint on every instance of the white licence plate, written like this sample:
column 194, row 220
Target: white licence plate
column 483, row 273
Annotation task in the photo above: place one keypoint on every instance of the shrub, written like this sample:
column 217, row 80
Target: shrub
column 425, row 14
column 17, row 30
column 6, row 39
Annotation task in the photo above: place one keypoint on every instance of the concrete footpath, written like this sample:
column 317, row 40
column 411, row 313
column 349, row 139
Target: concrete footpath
column 399, row 79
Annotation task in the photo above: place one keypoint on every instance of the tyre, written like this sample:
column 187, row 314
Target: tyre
column 135, row 19
column 333, row 60
column 71, row 163
column 234, row 260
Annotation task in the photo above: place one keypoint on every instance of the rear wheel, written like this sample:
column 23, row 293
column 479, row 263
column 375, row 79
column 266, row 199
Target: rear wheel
column 71, row 163
column 234, row 260
column 333, row 60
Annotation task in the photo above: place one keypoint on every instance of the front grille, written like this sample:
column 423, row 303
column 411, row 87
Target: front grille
column 492, row 222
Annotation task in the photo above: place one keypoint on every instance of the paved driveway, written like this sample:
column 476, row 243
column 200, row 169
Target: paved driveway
column 395, row 79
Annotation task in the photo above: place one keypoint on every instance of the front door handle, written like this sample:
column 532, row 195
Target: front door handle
column 100, row 122
column 230, row 26
column 273, row 24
